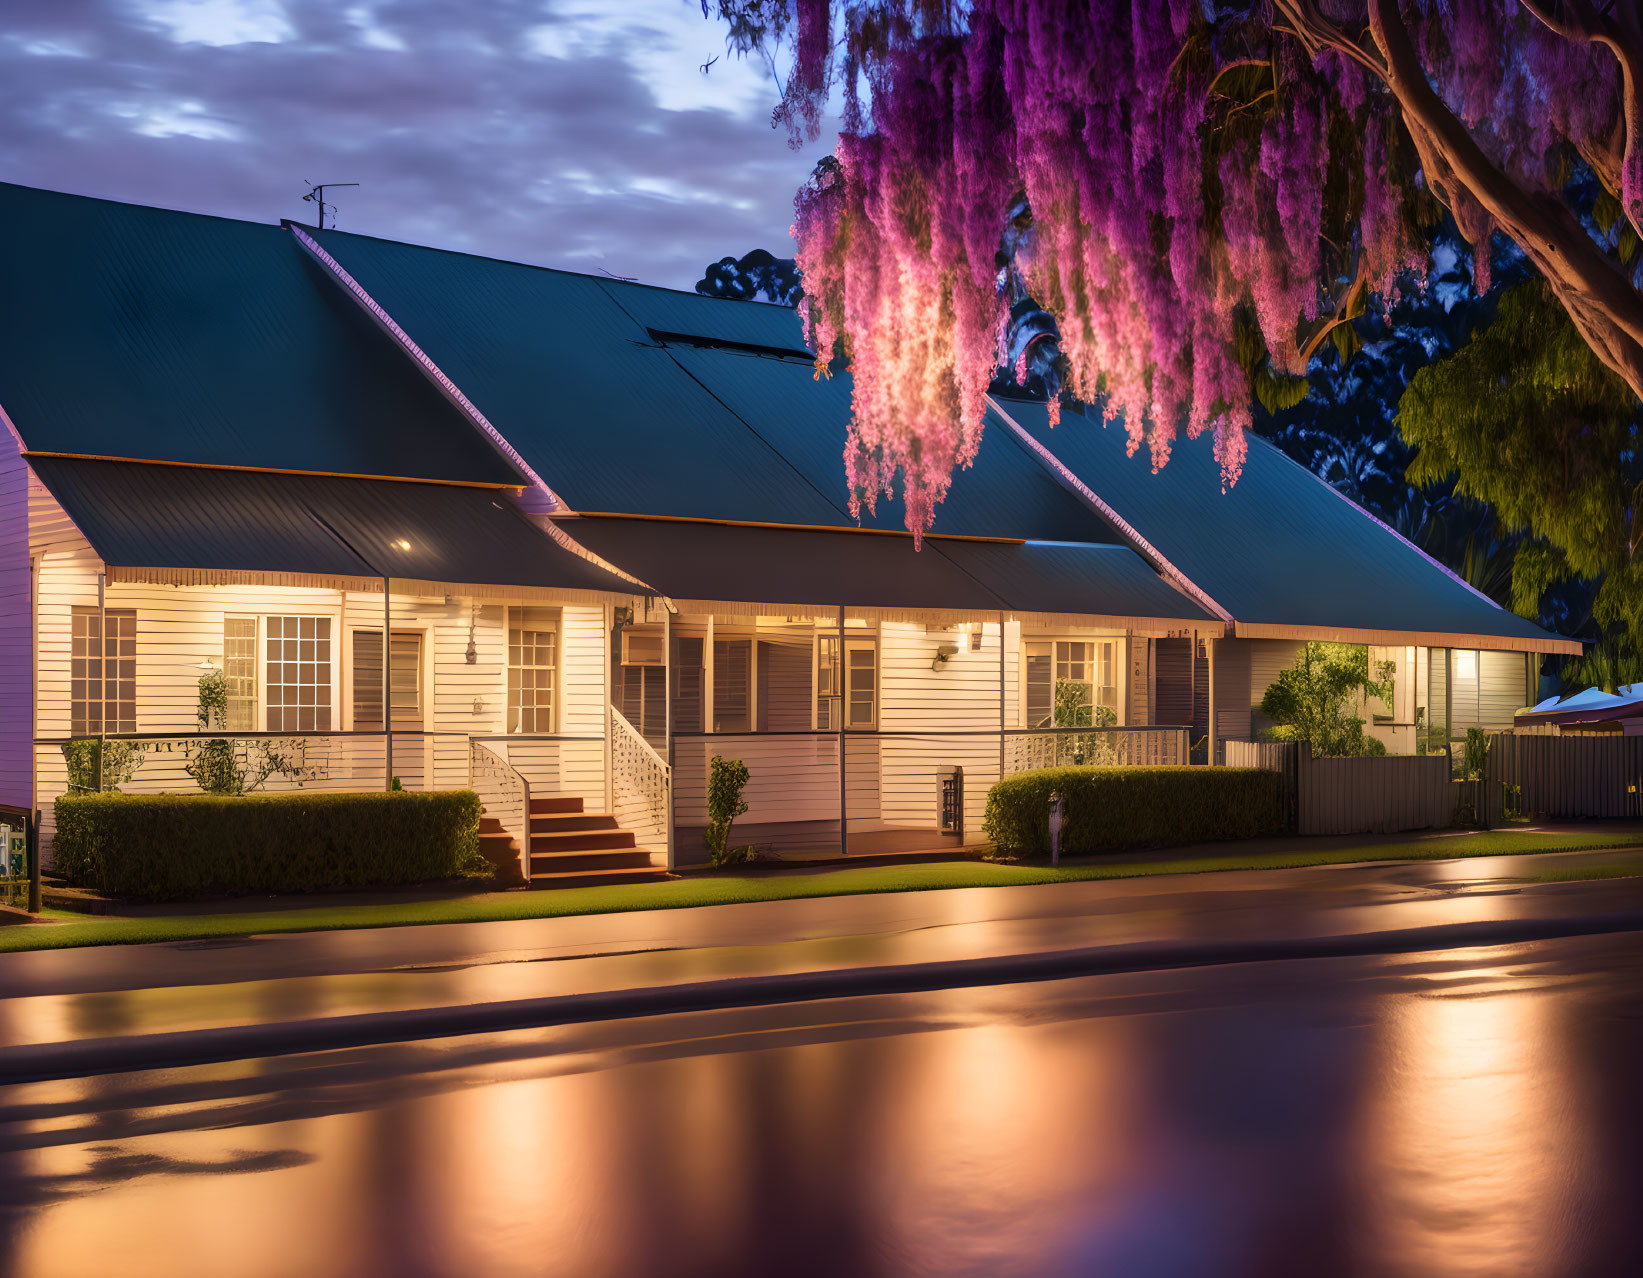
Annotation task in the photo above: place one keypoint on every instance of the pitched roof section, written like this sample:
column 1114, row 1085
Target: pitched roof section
column 810, row 568
column 144, row 333
column 594, row 403
column 589, row 379
column 137, row 515
column 1282, row 551
column 1004, row 494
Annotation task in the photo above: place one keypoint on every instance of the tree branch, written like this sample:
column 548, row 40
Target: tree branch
column 1600, row 300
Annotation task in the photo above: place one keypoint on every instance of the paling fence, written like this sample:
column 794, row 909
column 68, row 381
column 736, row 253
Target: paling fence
column 1368, row 795
column 1570, row 775
column 901, row 790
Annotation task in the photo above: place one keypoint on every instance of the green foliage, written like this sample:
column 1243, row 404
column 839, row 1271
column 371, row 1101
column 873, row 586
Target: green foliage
column 1074, row 709
column 1109, row 808
column 726, row 779
column 120, row 761
column 167, row 846
column 1477, row 752
column 222, row 765
column 1315, row 699
column 1610, row 664
column 1526, row 418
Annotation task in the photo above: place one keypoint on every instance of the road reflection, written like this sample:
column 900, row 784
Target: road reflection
column 1459, row 1114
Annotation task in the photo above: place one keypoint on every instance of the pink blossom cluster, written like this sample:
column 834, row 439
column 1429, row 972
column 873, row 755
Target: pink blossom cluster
column 1167, row 212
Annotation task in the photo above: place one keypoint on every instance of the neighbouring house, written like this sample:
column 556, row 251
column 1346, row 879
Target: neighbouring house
column 435, row 517
column 1589, row 712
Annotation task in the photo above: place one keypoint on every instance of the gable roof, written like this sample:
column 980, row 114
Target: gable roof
column 143, row 333
column 195, row 520
column 1283, row 553
column 626, row 398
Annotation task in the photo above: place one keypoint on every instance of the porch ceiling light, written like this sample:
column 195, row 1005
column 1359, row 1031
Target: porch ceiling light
column 402, row 544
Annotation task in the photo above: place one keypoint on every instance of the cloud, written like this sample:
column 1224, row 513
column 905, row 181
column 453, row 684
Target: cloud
column 553, row 133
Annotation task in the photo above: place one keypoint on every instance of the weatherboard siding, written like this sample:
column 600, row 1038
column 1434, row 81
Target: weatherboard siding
column 180, row 627
column 16, row 633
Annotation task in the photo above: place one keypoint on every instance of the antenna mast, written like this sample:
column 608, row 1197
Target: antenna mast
column 316, row 195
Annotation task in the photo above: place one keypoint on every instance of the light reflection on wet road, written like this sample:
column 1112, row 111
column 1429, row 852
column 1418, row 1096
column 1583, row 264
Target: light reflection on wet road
column 1474, row 1112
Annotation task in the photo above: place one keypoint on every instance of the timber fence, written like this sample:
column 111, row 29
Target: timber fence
column 1369, row 795
column 1569, row 775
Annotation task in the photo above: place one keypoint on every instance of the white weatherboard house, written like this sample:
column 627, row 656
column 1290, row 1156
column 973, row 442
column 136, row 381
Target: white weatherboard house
column 605, row 531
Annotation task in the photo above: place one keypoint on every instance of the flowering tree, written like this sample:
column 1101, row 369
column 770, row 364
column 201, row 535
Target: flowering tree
column 1201, row 192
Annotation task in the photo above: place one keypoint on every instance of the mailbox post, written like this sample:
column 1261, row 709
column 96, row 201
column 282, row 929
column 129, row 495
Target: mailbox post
column 1057, row 812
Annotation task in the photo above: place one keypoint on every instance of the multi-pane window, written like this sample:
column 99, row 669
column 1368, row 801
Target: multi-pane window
column 239, row 665
column 405, row 681
column 732, row 685
column 689, row 678
column 861, row 684
column 1070, row 682
column 299, row 674
column 851, row 690
column 103, row 677
column 533, row 669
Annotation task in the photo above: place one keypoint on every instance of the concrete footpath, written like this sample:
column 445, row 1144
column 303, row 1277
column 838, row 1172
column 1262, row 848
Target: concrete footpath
column 83, row 1011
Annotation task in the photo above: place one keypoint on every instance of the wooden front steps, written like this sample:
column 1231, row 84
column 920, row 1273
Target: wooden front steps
column 573, row 848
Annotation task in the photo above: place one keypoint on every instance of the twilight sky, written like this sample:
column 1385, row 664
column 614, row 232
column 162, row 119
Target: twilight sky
column 573, row 133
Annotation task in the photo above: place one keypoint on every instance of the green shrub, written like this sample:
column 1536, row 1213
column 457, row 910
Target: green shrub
column 120, row 761
column 166, row 846
column 1110, row 808
column 726, row 779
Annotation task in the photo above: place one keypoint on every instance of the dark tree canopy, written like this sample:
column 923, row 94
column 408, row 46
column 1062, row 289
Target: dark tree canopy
column 756, row 276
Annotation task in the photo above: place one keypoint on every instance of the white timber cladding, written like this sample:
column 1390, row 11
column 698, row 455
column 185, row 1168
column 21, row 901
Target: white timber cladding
column 16, row 634
column 182, row 629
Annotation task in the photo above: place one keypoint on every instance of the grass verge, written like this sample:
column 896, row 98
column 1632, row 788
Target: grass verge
column 66, row 930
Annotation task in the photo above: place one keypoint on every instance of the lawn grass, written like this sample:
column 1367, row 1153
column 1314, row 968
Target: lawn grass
column 68, row 930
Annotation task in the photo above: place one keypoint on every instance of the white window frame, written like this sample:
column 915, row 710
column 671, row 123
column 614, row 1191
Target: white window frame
column 856, row 642
column 258, row 661
column 1120, row 671
column 424, row 676
column 556, row 703
column 336, row 684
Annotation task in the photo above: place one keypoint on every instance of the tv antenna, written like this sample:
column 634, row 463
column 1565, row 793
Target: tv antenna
column 316, row 195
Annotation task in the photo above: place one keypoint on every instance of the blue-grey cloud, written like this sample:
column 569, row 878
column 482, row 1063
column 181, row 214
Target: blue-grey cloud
column 572, row 133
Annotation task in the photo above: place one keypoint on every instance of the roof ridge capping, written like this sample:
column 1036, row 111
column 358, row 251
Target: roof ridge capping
column 599, row 277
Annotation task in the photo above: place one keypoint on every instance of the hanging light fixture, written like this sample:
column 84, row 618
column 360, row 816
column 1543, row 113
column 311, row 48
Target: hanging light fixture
column 473, row 648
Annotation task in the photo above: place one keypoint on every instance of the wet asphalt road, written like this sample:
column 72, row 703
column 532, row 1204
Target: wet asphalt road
column 1468, row 1112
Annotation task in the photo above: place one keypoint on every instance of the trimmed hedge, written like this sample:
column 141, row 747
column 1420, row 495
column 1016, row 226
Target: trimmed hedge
column 1112, row 808
column 166, row 846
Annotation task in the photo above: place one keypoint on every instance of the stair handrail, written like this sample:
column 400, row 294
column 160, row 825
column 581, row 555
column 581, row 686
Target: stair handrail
column 639, row 739
column 486, row 765
column 655, row 790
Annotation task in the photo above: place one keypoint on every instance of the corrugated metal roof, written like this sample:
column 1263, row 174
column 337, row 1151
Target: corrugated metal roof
column 567, row 367
column 137, row 332
column 1004, row 494
column 579, row 387
column 815, row 568
column 139, row 515
column 786, row 566
column 1280, row 548
column 1108, row 581
column 714, row 318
